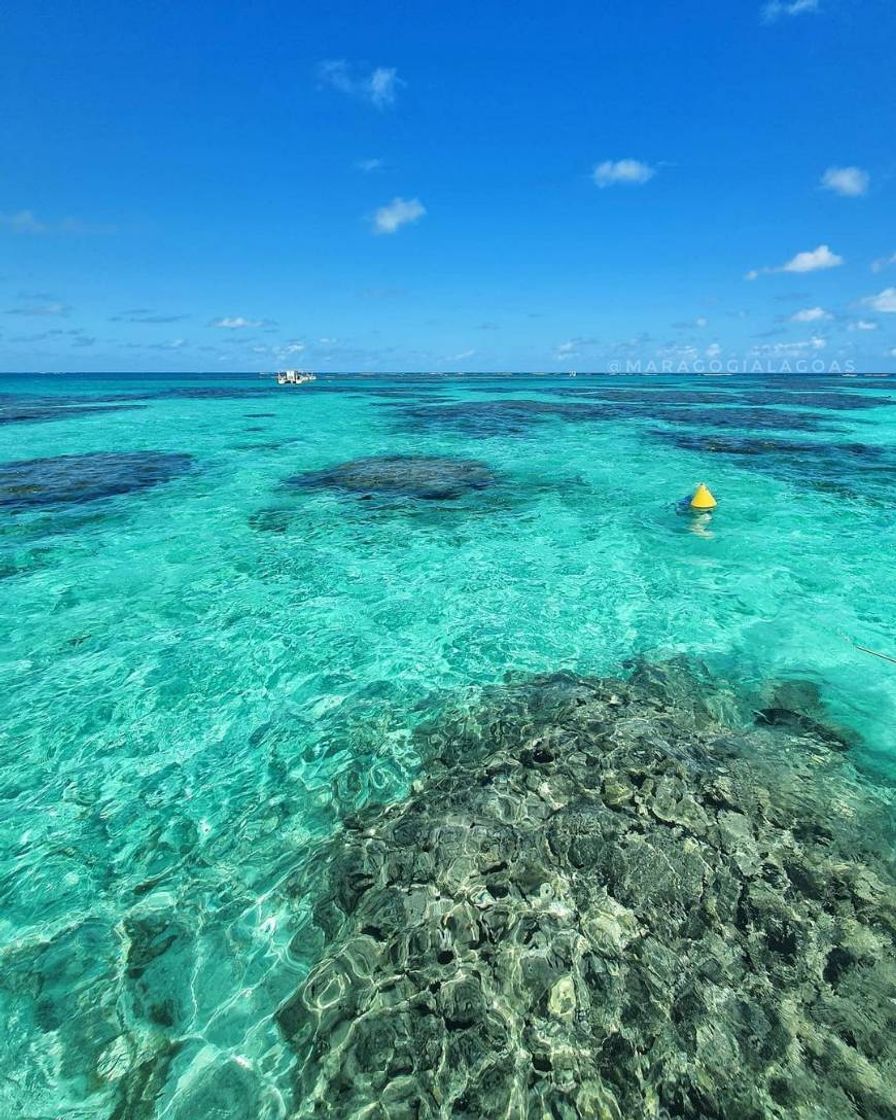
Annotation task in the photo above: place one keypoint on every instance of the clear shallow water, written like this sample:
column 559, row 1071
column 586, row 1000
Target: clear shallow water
column 202, row 672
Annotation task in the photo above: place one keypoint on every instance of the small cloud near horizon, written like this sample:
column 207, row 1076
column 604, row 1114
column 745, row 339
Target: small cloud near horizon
column 849, row 182
column 573, row 347
column 239, row 322
column 369, row 165
column 399, row 212
column 379, row 86
column 630, row 172
column 41, row 309
column 811, row 261
column 143, row 315
column 789, row 349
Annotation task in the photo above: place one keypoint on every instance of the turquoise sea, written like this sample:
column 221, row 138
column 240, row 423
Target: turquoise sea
column 216, row 645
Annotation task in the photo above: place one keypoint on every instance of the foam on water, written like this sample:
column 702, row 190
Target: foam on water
column 202, row 676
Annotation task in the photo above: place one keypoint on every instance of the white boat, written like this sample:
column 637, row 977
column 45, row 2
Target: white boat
column 294, row 377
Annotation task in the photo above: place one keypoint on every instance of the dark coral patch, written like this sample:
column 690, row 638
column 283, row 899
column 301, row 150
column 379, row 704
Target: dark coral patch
column 427, row 478
column 212, row 393
column 853, row 470
column 34, row 410
column 512, row 417
column 750, row 418
column 481, row 419
column 71, row 480
column 834, row 401
column 601, row 900
column 662, row 396
column 747, row 445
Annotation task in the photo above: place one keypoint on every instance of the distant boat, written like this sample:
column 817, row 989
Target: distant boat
column 572, row 373
column 294, row 377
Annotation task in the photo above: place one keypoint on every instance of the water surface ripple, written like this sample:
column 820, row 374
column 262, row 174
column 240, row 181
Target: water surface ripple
column 205, row 670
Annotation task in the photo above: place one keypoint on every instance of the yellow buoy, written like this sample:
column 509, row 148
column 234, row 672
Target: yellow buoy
column 703, row 499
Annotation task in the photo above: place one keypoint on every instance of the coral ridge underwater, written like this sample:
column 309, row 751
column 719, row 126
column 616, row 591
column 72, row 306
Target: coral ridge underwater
column 611, row 898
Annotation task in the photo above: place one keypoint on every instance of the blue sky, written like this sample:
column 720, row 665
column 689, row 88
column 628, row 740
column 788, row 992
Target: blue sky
column 423, row 186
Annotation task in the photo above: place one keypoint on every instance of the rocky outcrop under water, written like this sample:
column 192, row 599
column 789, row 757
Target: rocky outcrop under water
column 424, row 477
column 72, row 480
column 852, row 470
column 611, row 899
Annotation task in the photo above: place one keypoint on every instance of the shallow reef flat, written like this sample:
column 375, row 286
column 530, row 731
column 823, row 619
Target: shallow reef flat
column 484, row 419
column 426, row 477
column 72, row 480
column 611, row 898
column 35, row 410
column 845, row 469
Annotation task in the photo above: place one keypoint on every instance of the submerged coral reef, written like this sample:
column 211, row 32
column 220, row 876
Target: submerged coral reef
column 611, row 899
column 72, row 480
column 425, row 477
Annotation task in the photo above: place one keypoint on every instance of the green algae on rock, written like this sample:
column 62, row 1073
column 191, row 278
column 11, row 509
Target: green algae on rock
column 604, row 901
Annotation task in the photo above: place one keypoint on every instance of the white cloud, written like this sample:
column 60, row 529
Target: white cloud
column 810, row 315
column 572, row 347
column 41, row 309
column 819, row 258
column 893, row 352
column 23, row 221
column 289, row 349
column 399, row 212
column 368, row 165
column 810, row 261
column 713, row 350
column 677, row 350
column 238, row 322
column 884, row 301
column 143, row 315
column 382, row 85
column 789, row 349
column 379, row 86
column 777, row 8
column 863, row 325
column 851, row 182
column 883, row 262
column 462, row 356
column 627, row 171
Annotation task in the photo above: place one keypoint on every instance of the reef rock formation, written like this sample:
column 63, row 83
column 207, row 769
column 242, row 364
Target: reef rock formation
column 430, row 478
column 70, row 480
column 603, row 901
